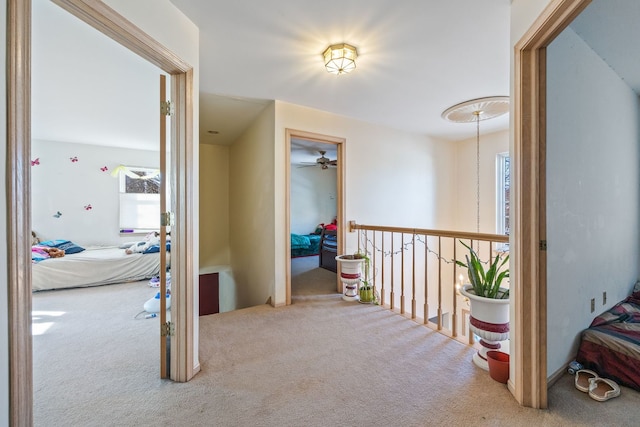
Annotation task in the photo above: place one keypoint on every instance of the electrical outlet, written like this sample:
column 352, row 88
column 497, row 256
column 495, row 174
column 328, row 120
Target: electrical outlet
column 593, row 305
column 604, row 298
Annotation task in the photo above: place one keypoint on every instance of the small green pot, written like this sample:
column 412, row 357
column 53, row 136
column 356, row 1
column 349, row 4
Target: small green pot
column 366, row 294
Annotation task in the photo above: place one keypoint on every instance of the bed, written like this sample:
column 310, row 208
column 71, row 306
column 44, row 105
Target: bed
column 304, row 245
column 328, row 250
column 98, row 265
column 611, row 344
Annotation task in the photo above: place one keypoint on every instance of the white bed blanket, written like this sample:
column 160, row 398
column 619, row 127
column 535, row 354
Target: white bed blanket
column 92, row 267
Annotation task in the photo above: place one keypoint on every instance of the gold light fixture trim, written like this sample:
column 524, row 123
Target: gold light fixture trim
column 476, row 110
column 340, row 58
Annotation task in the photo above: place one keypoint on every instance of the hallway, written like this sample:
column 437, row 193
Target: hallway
column 307, row 279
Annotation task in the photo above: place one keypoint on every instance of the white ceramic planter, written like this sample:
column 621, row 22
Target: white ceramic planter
column 350, row 276
column 490, row 321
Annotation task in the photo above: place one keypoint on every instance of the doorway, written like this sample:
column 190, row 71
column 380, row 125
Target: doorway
column 83, row 153
column 102, row 17
column 313, row 216
column 316, row 153
column 529, row 342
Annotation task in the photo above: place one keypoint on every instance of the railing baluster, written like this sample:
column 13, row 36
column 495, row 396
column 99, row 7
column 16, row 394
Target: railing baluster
column 491, row 251
column 439, row 283
column 478, row 241
column 454, row 315
column 373, row 265
column 392, row 296
column 402, row 273
column 426, row 279
column 366, row 242
column 382, row 290
column 366, row 253
column 413, row 279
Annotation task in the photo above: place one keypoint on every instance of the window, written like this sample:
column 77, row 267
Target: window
column 139, row 199
column 503, row 189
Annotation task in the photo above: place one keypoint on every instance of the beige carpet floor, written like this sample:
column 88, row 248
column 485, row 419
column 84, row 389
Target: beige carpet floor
column 319, row 362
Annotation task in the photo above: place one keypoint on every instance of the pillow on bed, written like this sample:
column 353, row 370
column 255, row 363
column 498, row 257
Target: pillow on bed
column 67, row 246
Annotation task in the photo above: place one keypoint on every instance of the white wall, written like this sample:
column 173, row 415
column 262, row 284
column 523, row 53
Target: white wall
column 214, row 206
column 58, row 184
column 86, row 66
column 411, row 174
column 313, row 197
column 251, row 212
column 593, row 191
column 490, row 146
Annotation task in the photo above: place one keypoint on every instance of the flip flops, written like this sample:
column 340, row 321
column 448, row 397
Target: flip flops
column 600, row 389
column 582, row 379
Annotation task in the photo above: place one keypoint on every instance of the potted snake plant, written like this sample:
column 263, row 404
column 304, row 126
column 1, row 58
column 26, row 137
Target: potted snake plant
column 489, row 301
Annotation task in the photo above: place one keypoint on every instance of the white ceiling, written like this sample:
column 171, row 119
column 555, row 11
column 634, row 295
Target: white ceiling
column 416, row 58
column 610, row 28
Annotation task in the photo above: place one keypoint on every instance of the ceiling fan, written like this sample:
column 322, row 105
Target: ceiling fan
column 322, row 161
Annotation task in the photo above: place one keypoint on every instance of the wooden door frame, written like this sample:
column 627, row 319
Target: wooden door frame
column 109, row 22
column 324, row 139
column 529, row 328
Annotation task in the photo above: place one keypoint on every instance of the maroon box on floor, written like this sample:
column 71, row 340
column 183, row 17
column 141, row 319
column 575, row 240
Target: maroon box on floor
column 209, row 296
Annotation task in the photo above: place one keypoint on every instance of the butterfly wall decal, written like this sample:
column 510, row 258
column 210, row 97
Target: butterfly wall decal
column 104, row 169
column 73, row 159
column 57, row 214
column 88, row 207
column 35, row 162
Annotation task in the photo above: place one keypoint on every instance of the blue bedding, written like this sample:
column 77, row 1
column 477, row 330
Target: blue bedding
column 305, row 245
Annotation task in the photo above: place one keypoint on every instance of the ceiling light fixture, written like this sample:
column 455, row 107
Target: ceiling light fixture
column 340, row 58
column 476, row 110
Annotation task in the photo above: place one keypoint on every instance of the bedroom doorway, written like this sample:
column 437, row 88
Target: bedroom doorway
column 119, row 181
column 315, row 211
column 100, row 16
